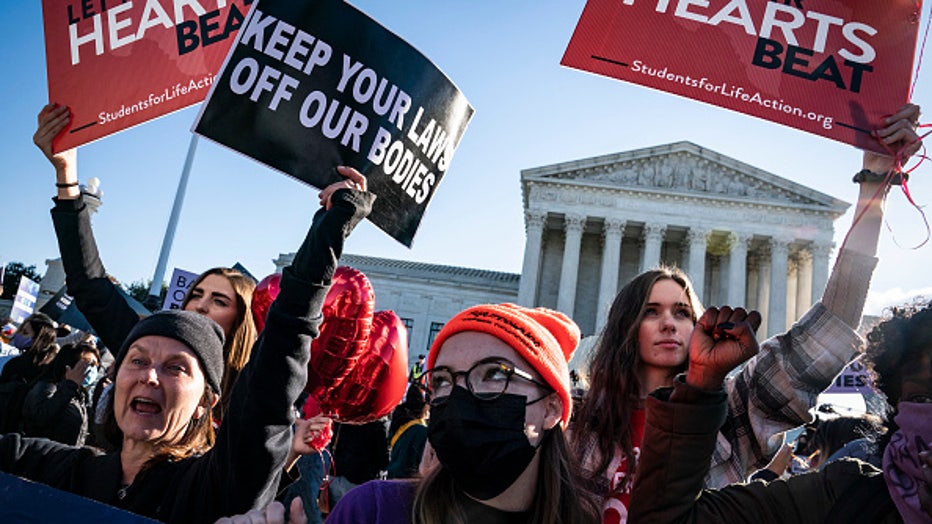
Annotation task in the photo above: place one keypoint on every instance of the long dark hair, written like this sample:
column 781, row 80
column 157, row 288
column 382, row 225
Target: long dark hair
column 604, row 418
column 239, row 341
column 43, row 347
column 834, row 433
column 898, row 347
column 558, row 498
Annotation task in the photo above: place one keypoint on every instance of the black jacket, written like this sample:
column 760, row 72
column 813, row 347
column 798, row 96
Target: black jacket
column 360, row 451
column 679, row 437
column 95, row 295
column 57, row 412
column 242, row 470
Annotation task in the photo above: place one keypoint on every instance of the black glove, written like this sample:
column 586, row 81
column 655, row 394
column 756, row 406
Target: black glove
column 317, row 258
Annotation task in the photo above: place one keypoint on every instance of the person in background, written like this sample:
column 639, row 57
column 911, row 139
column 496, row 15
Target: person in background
column 847, row 436
column 408, row 432
column 500, row 399
column 7, row 350
column 416, row 375
column 683, row 422
column 359, row 453
column 7, row 331
column 56, row 407
column 35, row 338
column 644, row 346
column 223, row 294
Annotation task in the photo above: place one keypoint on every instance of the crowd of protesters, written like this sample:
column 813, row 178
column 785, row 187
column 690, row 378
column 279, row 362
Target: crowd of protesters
column 194, row 415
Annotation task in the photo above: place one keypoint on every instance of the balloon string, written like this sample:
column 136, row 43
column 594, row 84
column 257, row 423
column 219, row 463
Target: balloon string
column 922, row 47
column 899, row 159
column 898, row 168
column 888, row 180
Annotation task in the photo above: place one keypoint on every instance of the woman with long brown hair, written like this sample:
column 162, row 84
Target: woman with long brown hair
column 36, row 341
column 223, row 294
column 644, row 346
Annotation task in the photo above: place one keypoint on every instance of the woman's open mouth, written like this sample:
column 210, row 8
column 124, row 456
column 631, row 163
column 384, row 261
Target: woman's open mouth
column 145, row 406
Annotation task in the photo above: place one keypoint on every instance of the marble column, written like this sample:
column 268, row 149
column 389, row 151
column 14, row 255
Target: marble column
column 803, row 282
column 653, row 241
column 738, row 270
column 611, row 258
column 763, row 288
column 720, row 275
column 753, row 280
column 776, row 318
column 820, row 256
column 566, row 298
column 534, row 222
column 792, row 287
column 696, row 268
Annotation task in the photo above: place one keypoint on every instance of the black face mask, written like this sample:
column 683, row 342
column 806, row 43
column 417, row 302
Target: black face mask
column 481, row 442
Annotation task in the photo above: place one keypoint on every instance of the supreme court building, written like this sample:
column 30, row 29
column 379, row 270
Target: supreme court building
column 745, row 236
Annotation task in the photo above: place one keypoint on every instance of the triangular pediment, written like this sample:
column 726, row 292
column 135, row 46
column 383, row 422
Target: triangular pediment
column 683, row 168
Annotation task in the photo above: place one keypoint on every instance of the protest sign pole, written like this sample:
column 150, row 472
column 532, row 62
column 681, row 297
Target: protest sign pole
column 152, row 302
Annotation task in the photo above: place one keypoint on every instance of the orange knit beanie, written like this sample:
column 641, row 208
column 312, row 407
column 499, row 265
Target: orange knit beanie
column 544, row 337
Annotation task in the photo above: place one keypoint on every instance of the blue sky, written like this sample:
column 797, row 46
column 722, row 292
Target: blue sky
column 530, row 112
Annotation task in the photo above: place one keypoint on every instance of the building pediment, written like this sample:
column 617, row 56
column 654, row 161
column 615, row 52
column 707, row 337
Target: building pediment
column 681, row 168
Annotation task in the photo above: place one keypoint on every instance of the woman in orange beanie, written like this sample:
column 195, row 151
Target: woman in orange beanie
column 500, row 400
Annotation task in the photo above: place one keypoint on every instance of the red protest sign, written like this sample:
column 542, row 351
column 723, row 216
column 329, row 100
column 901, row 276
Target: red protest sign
column 830, row 67
column 117, row 64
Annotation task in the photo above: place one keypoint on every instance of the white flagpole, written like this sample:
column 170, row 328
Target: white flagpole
column 156, row 288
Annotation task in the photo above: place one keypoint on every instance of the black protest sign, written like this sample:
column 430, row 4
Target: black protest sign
column 312, row 85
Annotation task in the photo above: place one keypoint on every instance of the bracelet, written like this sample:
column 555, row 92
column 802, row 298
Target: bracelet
column 866, row 175
column 67, row 184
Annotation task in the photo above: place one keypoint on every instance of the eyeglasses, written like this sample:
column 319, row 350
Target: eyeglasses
column 486, row 380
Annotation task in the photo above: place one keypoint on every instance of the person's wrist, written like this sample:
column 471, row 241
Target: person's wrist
column 704, row 380
column 872, row 176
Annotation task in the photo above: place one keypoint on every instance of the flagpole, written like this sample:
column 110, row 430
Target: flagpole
column 155, row 290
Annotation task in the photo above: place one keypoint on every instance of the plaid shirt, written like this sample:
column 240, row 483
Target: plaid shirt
column 775, row 390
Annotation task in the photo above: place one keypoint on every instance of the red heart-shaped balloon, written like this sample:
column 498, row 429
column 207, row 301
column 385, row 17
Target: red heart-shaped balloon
column 344, row 333
column 263, row 296
column 359, row 364
column 377, row 383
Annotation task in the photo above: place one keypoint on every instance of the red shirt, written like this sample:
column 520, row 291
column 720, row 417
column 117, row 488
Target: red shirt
column 615, row 509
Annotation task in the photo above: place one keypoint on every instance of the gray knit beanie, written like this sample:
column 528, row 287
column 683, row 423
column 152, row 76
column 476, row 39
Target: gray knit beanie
column 201, row 334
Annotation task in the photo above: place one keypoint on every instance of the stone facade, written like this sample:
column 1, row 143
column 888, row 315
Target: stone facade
column 745, row 236
column 426, row 296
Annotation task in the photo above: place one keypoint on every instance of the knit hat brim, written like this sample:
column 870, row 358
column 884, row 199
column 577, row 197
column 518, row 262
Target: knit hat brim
column 202, row 335
column 545, row 338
